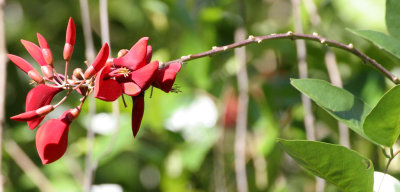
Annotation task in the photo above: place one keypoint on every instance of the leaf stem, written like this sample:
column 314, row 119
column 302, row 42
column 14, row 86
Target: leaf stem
column 293, row 36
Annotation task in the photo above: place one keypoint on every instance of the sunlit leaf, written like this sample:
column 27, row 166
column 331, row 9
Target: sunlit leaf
column 337, row 164
column 338, row 102
column 382, row 123
column 381, row 40
column 393, row 17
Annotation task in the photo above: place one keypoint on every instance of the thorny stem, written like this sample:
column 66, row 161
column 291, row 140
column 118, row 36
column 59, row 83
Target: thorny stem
column 293, row 36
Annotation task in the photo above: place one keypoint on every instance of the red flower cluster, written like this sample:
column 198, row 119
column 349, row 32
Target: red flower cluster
column 131, row 73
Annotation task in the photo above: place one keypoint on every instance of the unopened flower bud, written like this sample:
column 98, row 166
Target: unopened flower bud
column 26, row 67
column 77, row 74
column 99, row 62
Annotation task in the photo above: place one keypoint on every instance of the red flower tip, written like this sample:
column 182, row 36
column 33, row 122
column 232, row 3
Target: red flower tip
column 145, row 76
column 52, row 140
column 137, row 113
column 69, row 40
column 71, row 32
column 34, row 114
column 99, row 62
column 136, row 57
column 149, row 53
column 26, row 67
column 38, row 97
column 34, row 51
column 106, row 90
column 26, row 116
column 46, row 52
column 166, row 77
column 42, row 41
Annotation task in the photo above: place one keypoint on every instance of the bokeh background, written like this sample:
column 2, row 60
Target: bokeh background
column 186, row 139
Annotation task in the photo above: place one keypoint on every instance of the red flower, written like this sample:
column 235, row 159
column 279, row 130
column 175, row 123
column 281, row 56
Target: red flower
column 37, row 98
column 36, row 53
column 26, row 67
column 132, row 74
column 34, row 114
column 52, row 136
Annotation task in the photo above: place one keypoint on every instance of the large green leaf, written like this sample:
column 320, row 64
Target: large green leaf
column 383, row 41
column 393, row 17
column 382, row 124
column 340, row 103
column 339, row 165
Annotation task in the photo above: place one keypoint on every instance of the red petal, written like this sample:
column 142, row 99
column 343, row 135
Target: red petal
column 136, row 57
column 149, row 54
column 131, row 88
column 38, row 97
column 106, row 90
column 42, row 41
column 99, row 62
column 27, row 116
column 21, row 63
column 46, row 52
column 71, row 32
column 145, row 76
column 166, row 77
column 137, row 113
column 52, row 140
column 34, row 51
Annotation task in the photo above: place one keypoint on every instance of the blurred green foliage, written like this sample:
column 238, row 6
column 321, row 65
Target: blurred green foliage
column 171, row 159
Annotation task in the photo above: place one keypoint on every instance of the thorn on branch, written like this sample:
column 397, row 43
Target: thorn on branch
column 315, row 34
column 351, row 46
column 251, row 38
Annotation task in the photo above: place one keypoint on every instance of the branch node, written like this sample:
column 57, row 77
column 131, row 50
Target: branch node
column 322, row 41
column 396, row 80
column 289, row 33
column 187, row 57
column 351, row 46
column 259, row 40
column 225, row 48
column 214, row 47
column 251, row 38
column 315, row 34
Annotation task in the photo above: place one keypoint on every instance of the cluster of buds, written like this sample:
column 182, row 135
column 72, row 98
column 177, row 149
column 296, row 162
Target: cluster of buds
column 131, row 73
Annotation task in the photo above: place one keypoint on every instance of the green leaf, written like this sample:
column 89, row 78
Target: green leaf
column 381, row 40
column 382, row 124
column 339, row 165
column 338, row 102
column 393, row 17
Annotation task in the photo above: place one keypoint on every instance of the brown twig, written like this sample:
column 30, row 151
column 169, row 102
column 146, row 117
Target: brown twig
column 26, row 164
column 293, row 36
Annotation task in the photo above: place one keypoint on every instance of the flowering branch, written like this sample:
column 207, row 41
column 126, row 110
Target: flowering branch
column 293, row 36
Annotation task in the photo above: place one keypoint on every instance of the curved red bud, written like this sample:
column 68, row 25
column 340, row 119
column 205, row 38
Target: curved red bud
column 69, row 40
column 34, row 114
column 145, row 76
column 106, row 90
column 99, row 62
column 136, row 57
column 26, row 67
column 71, row 32
column 130, row 88
column 46, row 52
column 149, row 53
column 137, row 113
column 165, row 77
column 38, row 97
